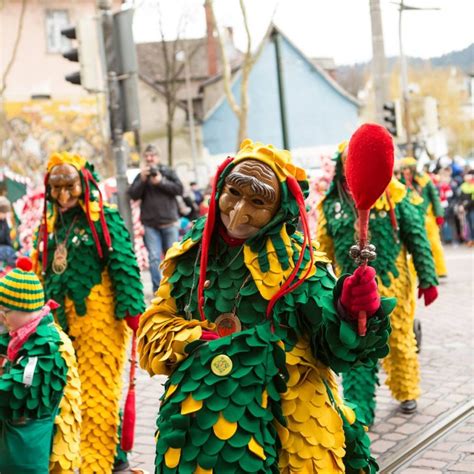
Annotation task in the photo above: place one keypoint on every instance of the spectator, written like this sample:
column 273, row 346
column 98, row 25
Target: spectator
column 157, row 187
column 467, row 202
column 198, row 196
column 7, row 252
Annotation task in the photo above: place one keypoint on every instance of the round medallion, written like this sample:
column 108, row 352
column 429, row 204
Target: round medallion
column 227, row 323
column 207, row 283
column 59, row 264
column 382, row 214
column 221, row 365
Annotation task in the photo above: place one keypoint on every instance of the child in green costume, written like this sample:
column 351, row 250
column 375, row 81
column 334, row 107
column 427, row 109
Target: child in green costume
column 33, row 373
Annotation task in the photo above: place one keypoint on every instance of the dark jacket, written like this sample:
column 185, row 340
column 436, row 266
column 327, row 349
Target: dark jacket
column 5, row 233
column 158, row 207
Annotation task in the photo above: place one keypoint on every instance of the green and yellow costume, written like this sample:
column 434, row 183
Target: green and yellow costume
column 423, row 186
column 95, row 295
column 28, row 408
column 263, row 399
column 336, row 234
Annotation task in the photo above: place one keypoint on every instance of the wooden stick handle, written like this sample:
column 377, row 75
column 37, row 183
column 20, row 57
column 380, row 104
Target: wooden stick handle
column 362, row 323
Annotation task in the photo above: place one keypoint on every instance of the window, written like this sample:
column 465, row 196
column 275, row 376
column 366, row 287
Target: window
column 56, row 20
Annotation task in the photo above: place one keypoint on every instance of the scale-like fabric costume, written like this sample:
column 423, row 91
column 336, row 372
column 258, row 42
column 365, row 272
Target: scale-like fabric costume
column 336, row 234
column 276, row 408
column 65, row 456
column 95, row 295
column 431, row 207
column 53, row 376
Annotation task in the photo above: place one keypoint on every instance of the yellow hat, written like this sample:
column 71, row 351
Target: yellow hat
column 279, row 160
column 408, row 161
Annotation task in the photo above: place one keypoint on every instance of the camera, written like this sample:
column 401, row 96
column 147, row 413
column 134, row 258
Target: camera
column 153, row 171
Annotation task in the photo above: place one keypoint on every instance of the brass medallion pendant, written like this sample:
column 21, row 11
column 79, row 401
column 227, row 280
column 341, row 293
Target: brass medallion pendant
column 59, row 264
column 227, row 323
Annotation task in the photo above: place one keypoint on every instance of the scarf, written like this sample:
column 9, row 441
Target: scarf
column 20, row 336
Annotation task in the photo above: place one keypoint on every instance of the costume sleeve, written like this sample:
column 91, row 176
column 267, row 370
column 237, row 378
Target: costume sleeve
column 325, row 241
column 137, row 188
column 334, row 341
column 163, row 334
column 413, row 236
column 123, row 269
column 33, row 387
column 434, row 199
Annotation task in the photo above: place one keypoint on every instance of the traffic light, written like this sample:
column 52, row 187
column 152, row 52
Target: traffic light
column 390, row 117
column 72, row 55
column 89, row 53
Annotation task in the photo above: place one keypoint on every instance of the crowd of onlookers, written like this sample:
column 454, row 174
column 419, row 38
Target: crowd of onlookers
column 168, row 207
column 455, row 185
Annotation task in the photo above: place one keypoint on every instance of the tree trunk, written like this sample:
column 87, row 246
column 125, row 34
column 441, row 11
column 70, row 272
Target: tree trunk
column 169, row 133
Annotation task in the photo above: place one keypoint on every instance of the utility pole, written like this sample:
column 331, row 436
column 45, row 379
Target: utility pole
column 115, row 106
column 378, row 61
column 183, row 55
column 281, row 90
column 404, row 75
column 404, row 84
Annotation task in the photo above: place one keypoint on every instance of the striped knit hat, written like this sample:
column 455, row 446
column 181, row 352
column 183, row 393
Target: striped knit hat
column 20, row 289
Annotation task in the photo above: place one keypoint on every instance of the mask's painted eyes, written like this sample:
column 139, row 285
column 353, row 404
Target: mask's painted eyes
column 258, row 202
column 234, row 191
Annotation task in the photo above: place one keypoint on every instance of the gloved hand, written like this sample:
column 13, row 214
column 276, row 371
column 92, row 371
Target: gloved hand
column 209, row 335
column 360, row 293
column 133, row 322
column 440, row 220
column 430, row 294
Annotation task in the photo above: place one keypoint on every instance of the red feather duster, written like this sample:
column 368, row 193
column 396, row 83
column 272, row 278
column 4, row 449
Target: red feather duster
column 368, row 170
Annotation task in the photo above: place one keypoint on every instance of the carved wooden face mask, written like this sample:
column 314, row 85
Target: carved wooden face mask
column 250, row 199
column 66, row 187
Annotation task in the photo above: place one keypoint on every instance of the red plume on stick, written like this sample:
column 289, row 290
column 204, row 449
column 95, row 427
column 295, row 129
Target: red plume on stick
column 129, row 412
column 368, row 170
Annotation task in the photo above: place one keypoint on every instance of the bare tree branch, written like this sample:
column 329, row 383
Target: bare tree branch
column 15, row 47
column 226, row 70
column 240, row 111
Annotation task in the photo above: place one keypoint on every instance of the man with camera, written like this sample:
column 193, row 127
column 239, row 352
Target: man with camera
column 157, row 187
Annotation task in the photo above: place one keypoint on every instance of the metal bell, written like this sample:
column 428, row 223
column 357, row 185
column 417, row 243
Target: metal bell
column 365, row 254
column 354, row 251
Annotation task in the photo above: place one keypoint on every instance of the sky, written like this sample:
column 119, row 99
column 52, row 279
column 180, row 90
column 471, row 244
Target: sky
column 320, row 28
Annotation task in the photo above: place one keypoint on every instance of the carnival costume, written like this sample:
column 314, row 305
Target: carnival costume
column 39, row 384
column 89, row 268
column 421, row 185
column 249, row 335
column 396, row 229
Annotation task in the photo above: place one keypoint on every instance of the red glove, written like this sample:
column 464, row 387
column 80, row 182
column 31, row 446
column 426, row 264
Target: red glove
column 209, row 335
column 359, row 293
column 440, row 220
column 430, row 294
column 133, row 322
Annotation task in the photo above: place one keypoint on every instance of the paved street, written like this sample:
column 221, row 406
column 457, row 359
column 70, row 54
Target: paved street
column 447, row 382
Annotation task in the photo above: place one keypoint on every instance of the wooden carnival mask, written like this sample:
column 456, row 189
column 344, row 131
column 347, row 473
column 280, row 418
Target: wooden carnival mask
column 66, row 188
column 250, row 198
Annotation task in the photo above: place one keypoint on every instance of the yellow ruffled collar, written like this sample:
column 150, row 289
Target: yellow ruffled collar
column 396, row 190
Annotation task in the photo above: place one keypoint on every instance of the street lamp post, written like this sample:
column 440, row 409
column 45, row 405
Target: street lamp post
column 404, row 74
